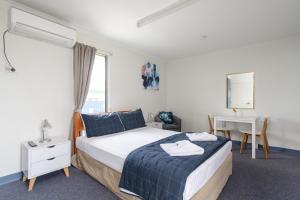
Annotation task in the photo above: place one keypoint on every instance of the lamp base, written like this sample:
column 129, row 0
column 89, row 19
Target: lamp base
column 45, row 140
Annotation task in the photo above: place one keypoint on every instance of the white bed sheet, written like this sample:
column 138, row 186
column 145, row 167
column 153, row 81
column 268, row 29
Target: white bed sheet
column 113, row 149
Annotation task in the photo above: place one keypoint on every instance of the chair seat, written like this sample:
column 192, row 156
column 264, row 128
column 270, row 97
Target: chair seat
column 249, row 132
column 170, row 126
column 262, row 135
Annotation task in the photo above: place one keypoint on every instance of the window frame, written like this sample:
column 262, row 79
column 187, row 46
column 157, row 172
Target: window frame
column 106, row 81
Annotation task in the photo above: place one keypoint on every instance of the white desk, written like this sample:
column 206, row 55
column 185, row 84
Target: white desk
column 247, row 120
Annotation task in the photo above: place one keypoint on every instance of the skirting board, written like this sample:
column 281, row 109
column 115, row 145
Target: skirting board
column 10, row 178
column 277, row 149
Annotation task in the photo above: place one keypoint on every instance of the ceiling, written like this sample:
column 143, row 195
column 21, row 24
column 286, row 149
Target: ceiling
column 226, row 23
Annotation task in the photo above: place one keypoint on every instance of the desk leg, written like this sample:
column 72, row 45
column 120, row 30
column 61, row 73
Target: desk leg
column 253, row 141
column 215, row 127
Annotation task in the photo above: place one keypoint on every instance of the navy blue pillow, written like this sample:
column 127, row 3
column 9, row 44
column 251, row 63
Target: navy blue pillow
column 103, row 124
column 166, row 117
column 133, row 119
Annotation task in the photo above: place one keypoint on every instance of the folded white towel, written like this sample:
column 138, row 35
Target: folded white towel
column 204, row 136
column 182, row 148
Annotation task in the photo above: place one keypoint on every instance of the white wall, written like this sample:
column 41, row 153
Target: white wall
column 196, row 86
column 42, row 87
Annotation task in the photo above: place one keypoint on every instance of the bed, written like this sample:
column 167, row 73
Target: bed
column 103, row 158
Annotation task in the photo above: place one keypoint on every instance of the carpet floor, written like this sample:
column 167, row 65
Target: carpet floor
column 275, row 179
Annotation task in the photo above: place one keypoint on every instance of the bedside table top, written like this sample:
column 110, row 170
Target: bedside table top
column 154, row 123
column 54, row 141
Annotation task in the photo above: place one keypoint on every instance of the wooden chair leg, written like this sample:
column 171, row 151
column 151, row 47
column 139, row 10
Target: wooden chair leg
column 224, row 133
column 246, row 141
column 242, row 148
column 264, row 143
column 24, row 178
column 265, row 152
column 266, row 147
column 242, row 140
column 229, row 136
column 267, row 142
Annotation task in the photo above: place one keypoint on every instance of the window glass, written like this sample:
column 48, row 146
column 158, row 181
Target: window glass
column 95, row 101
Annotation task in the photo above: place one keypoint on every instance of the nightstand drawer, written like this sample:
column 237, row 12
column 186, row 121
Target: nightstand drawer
column 50, row 152
column 49, row 165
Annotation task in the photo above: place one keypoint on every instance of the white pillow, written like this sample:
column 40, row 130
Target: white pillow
column 82, row 133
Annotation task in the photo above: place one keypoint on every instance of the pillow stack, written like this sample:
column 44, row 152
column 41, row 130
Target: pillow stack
column 109, row 123
column 133, row 119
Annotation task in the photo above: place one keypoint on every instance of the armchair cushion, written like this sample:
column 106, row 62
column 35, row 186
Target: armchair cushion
column 175, row 126
column 166, row 117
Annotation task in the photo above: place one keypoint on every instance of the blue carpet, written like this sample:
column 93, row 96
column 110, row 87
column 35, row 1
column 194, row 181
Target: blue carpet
column 275, row 179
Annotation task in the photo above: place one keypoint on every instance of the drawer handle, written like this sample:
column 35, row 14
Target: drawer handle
column 51, row 146
column 51, row 158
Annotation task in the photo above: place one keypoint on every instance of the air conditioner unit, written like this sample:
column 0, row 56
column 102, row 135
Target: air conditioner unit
column 32, row 26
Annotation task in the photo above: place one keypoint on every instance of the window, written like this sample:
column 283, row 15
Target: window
column 96, row 98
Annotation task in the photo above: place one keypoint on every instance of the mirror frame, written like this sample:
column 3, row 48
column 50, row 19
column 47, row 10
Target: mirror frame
column 253, row 90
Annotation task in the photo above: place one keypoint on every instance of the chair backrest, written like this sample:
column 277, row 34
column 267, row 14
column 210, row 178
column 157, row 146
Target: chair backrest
column 211, row 129
column 264, row 127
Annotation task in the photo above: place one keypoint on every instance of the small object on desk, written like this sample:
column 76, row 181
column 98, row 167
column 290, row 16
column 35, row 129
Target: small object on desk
column 155, row 124
column 32, row 144
column 44, row 158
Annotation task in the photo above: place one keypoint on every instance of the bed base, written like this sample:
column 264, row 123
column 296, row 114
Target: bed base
column 110, row 178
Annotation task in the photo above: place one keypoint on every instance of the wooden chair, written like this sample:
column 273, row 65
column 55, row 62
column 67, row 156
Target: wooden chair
column 263, row 137
column 225, row 131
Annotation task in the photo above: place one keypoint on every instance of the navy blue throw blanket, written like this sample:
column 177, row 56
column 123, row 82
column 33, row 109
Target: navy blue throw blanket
column 154, row 175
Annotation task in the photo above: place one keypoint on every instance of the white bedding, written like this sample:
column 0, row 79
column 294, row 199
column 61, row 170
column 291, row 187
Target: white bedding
column 113, row 149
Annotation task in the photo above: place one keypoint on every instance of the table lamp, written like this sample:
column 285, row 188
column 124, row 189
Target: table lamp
column 45, row 125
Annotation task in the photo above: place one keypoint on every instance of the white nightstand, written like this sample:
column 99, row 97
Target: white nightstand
column 155, row 124
column 45, row 158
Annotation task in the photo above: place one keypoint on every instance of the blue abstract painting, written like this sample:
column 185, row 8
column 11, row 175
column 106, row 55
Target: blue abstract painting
column 150, row 76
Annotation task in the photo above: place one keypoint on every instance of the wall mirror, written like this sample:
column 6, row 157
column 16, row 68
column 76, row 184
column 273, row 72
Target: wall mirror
column 240, row 90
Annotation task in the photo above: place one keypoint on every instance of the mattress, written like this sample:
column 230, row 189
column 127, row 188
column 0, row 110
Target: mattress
column 113, row 149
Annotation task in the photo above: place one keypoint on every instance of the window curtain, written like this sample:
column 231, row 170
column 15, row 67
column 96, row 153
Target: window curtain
column 84, row 57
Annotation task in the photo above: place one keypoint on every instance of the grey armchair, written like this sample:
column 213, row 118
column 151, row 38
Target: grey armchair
column 176, row 126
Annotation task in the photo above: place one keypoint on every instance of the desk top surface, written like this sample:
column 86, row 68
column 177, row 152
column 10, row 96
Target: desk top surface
column 248, row 119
